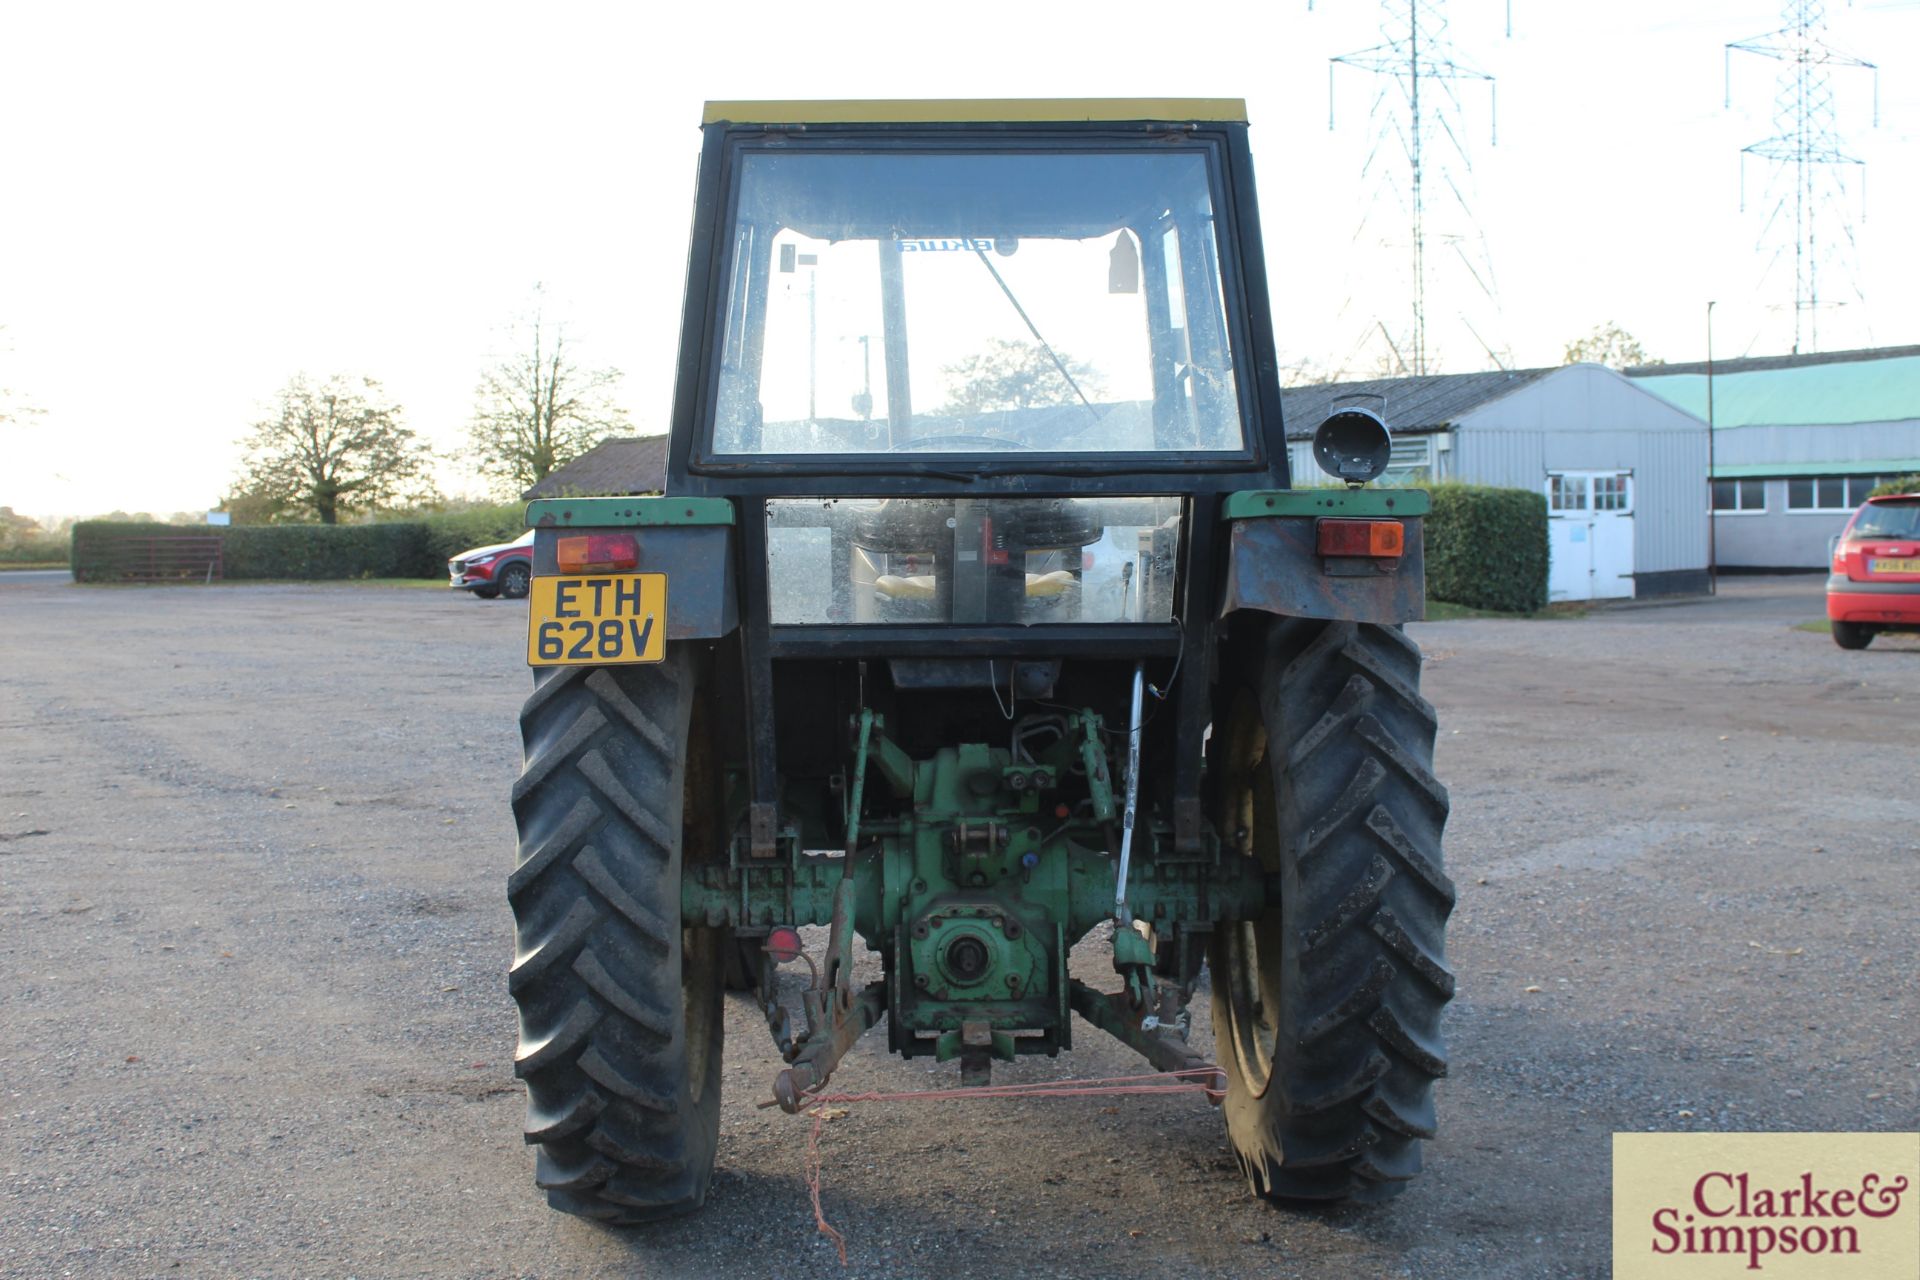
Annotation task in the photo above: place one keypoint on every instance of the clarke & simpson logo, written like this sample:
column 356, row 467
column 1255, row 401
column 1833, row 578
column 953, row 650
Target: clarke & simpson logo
column 1735, row 1218
column 1775, row 1204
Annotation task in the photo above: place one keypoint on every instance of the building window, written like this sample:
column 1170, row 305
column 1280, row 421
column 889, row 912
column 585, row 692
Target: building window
column 1829, row 493
column 1858, row 487
column 1567, row 493
column 1739, row 495
column 1610, row 493
column 1409, row 462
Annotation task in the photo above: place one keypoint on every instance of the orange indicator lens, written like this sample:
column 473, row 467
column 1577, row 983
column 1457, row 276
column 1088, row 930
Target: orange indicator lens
column 1382, row 539
column 597, row 553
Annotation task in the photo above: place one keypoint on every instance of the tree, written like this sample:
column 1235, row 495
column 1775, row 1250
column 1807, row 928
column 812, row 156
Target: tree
column 247, row 504
column 333, row 449
column 1306, row 372
column 16, row 529
column 1014, row 375
column 13, row 413
column 1611, row 346
column 537, row 410
column 26, row 540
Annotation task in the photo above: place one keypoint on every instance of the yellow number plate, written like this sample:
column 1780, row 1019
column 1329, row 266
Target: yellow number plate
column 597, row 621
column 1893, row 566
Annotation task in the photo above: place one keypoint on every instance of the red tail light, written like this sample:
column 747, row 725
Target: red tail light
column 990, row 554
column 597, row 553
column 783, row 944
column 1382, row 539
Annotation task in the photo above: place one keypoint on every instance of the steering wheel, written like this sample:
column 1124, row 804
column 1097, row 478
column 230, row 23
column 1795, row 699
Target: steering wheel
column 991, row 444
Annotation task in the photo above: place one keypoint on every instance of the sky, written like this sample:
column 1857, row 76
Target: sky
column 200, row 201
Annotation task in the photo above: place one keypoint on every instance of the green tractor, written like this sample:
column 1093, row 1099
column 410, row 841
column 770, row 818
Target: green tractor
column 980, row 615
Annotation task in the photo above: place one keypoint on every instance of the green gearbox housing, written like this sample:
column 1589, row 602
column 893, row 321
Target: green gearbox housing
column 992, row 870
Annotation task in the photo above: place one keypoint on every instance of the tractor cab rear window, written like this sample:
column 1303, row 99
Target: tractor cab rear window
column 965, row 302
column 997, row 561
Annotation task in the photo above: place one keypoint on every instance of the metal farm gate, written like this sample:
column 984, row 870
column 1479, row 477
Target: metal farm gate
column 165, row 559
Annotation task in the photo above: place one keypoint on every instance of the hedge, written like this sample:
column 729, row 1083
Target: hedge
column 1487, row 548
column 387, row 549
column 451, row 532
column 393, row 550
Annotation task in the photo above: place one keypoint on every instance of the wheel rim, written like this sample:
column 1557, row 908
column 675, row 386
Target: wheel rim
column 1252, row 978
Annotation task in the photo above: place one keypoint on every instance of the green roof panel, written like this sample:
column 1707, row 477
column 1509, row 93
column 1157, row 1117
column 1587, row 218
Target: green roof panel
column 1885, row 390
column 1862, row 467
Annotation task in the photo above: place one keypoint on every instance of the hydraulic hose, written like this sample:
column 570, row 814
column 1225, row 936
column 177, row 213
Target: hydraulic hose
column 1133, row 795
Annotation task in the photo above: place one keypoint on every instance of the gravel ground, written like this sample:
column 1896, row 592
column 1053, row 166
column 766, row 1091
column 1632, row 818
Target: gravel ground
column 253, row 1019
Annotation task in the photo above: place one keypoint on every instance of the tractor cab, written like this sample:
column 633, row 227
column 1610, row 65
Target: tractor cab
column 977, row 370
column 979, row 614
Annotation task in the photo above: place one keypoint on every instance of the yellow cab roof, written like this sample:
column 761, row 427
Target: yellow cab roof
column 977, row 110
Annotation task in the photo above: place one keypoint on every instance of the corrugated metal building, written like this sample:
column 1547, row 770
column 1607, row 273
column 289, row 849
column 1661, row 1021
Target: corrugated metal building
column 1624, row 472
column 1798, row 442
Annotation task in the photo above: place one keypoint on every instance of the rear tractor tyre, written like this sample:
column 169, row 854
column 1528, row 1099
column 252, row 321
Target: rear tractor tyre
column 1851, row 635
column 1327, row 1008
column 620, row 1017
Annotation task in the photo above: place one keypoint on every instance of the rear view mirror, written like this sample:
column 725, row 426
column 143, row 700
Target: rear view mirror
column 1123, row 265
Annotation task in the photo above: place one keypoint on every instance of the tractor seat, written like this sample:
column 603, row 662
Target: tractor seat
column 919, row 586
column 896, row 587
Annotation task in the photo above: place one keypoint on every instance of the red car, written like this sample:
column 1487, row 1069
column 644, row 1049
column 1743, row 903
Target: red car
column 505, row 569
column 1875, row 584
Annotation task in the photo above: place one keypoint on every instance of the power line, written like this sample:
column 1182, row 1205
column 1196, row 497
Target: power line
column 1807, row 146
column 1416, row 56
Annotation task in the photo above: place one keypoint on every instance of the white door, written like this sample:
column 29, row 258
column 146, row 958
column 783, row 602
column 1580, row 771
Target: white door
column 1590, row 535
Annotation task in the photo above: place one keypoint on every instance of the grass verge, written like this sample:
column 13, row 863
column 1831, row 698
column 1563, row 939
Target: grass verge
column 1447, row 611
